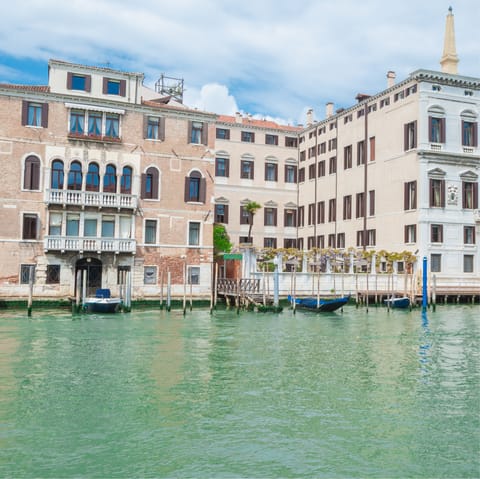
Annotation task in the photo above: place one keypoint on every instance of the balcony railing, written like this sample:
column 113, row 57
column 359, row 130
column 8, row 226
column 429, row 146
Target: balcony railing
column 91, row 198
column 98, row 245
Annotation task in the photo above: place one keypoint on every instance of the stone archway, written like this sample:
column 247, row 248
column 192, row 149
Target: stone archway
column 93, row 268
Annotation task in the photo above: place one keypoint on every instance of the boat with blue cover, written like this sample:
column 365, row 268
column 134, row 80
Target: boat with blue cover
column 102, row 302
column 319, row 304
column 401, row 302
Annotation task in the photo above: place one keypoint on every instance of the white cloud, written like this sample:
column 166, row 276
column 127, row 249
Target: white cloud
column 212, row 97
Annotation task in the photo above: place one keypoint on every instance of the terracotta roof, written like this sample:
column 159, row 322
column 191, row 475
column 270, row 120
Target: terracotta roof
column 36, row 88
column 179, row 107
column 246, row 121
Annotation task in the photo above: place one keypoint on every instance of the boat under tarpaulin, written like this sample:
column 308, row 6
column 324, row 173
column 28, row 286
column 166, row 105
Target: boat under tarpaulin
column 319, row 305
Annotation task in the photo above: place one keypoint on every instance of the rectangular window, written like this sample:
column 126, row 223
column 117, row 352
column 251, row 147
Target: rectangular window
column 270, row 216
column 310, row 242
column 302, row 156
column 321, row 241
column 371, row 203
column 361, row 153
column 53, row 274
column 301, row 216
column 469, row 133
column 410, row 233
column 193, row 274
column 331, row 240
column 290, row 174
column 222, row 134
column 27, row 271
column 332, row 210
column 435, row 263
column 149, row 275
column 153, row 128
column 360, row 210
column 322, row 148
column 271, row 172
column 469, row 195
column 73, row 224
column 371, row 237
column 469, row 234
column 311, row 171
column 321, row 212
column 194, row 233
column 114, row 87
column 55, row 224
column 360, row 237
column 196, row 132
column 222, row 167
column 333, row 165
column 30, row 226
column 290, row 142
column 221, row 213
column 347, row 207
column 321, row 168
column 347, row 157
column 270, row 242
column 289, row 217
column 248, row 136
column 112, row 123
column 410, row 135
column 78, row 82
column 372, row 148
column 468, row 263
column 437, row 193
column 77, row 122
column 341, row 240
column 301, row 175
column 150, row 231
column 410, row 195
column 243, row 239
column 90, row 227
column 244, row 216
column 436, row 233
column 246, row 171
column 436, row 130
column 94, row 123
column 311, row 214
column 34, row 114
column 108, row 226
column 271, row 139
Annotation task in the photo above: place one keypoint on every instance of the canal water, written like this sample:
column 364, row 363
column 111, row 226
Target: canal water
column 156, row 394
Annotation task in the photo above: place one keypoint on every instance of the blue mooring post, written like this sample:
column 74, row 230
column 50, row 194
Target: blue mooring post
column 424, row 285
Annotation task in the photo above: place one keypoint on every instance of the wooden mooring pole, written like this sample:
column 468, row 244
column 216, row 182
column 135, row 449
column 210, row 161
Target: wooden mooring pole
column 30, row 290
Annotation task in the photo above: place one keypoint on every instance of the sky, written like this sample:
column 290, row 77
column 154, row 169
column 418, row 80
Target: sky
column 274, row 59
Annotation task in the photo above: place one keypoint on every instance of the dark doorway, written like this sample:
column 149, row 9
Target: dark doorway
column 93, row 267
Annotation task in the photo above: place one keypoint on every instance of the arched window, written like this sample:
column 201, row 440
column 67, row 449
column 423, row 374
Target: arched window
column 126, row 180
column 31, row 177
column 110, row 179
column 75, row 176
column 56, row 182
column 93, row 178
column 150, row 184
column 195, row 187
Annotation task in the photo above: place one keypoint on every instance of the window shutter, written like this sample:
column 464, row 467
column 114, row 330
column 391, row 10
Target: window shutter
column 69, row 80
column 227, row 167
column 475, row 196
column 275, row 217
column 405, row 137
column 203, row 190
column 414, row 186
column 88, row 83
column 442, row 193
column 189, row 134
column 161, row 133
column 35, row 172
column 225, row 214
column 276, row 172
column 186, row 197
column 45, row 115
column 266, row 169
column 155, row 184
column 105, row 85
column 143, row 186
column 27, row 177
column 285, row 173
column 442, row 130
column 475, row 134
column 145, row 126
column 464, row 195
column 405, row 196
column 252, row 169
column 415, row 134
column 24, row 112
column 430, row 181
column 123, row 87
column 205, row 133
column 405, row 234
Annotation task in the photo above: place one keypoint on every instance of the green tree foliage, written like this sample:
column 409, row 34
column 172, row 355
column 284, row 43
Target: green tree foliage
column 251, row 207
column 221, row 240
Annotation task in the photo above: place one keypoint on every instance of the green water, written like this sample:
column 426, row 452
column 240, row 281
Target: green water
column 156, row 394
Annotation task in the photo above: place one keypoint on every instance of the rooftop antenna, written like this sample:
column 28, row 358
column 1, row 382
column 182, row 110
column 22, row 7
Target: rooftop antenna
column 169, row 86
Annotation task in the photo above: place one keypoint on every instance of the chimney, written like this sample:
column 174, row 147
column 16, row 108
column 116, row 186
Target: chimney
column 390, row 79
column 329, row 109
column 361, row 96
column 309, row 117
column 238, row 117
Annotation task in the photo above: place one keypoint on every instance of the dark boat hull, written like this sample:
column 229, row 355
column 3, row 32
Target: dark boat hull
column 102, row 305
column 400, row 303
column 322, row 306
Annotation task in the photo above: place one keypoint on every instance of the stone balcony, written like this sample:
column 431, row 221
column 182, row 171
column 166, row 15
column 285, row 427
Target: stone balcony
column 91, row 199
column 83, row 244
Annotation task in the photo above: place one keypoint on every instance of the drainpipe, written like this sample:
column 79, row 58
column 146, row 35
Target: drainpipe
column 365, row 177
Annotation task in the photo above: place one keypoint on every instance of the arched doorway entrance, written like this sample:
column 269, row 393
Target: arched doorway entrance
column 93, row 268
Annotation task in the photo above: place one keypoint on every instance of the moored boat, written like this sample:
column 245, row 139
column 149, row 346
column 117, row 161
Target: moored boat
column 401, row 302
column 320, row 305
column 102, row 302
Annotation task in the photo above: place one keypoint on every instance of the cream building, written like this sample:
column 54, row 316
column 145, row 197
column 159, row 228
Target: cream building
column 103, row 175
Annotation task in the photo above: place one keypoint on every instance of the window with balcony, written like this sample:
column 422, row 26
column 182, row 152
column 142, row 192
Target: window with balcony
column 31, row 174
column 221, row 213
column 112, row 125
column 126, row 180
column 469, row 133
column 110, row 179
column 57, row 175
column 55, row 224
column 34, row 114
column 108, row 226
column 73, row 224
column 92, row 180
column 90, row 227
column 436, row 129
column 150, row 184
column 195, row 188
column 75, row 176
column 30, row 226
column 94, row 123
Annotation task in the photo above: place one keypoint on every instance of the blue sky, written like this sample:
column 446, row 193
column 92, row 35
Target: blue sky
column 270, row 58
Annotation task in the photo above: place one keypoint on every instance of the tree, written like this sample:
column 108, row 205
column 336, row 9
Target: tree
column 251, row 207
column 221, row 240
